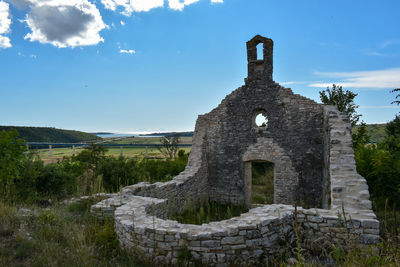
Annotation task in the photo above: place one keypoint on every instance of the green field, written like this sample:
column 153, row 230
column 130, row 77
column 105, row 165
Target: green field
column 130, row 152
column 142, row 140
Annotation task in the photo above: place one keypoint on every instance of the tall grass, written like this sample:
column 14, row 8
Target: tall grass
column 262, row 191
column 59, row 236
column 207, row 211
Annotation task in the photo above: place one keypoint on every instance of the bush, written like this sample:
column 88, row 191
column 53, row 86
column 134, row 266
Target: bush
column 118, row 172
column 54, row 181
column 380, row 165
column 11, row 158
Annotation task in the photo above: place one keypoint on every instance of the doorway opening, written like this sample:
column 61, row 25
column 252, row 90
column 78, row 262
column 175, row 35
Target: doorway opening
column 262, row 182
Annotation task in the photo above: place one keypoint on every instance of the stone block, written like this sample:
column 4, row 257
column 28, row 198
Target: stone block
column 232, row 240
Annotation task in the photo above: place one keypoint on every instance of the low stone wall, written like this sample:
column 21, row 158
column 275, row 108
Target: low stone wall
column 261, row 232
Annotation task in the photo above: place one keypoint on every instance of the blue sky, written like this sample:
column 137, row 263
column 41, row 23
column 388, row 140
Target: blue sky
column 155, row 65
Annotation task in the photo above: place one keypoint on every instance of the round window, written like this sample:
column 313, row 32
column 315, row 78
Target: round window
column 261, row 120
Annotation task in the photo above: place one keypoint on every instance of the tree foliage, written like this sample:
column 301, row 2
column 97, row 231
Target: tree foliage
column 344, row 100
column 25, row 178
column 53, row 135
column 11, row 159
column 380, row 165
column 169, row 145
column 397, row 98
column 361, row 136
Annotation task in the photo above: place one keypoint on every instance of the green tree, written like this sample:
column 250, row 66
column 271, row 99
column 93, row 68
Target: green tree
column 11, row 159
column 91, row 158
column 397, row 98
column 380, row 165
column 169, row 145
column 361, row 137
column 343, row 100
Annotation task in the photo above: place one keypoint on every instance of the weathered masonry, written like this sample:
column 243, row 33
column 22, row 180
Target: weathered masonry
column 310, row 146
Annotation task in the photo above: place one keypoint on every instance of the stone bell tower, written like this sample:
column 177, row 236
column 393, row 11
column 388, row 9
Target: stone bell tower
column 260, row 69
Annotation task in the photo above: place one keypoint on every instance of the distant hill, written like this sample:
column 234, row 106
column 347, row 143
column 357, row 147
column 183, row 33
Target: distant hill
column 51, row 135
column 182, row 134
column 376, row 131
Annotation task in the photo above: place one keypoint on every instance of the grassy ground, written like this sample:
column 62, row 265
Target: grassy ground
column 67, row 235
column 262, row 188
column 60, row 236
column 143, row 140
column 130, row 152
column 208, row 211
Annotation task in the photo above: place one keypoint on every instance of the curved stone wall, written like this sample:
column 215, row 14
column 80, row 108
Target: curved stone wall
column 261, row 232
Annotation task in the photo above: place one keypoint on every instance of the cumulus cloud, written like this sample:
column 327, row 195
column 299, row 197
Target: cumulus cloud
column 130, row 51
column 63, row 23
column 130, row 6
column 179, row 5
column 122, row 23
column 5, row 23
column 376, row 79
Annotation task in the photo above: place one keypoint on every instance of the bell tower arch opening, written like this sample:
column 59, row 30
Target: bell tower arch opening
column 260, row 52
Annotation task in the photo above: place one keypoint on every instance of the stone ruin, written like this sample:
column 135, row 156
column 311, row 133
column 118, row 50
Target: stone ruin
column 310, row 145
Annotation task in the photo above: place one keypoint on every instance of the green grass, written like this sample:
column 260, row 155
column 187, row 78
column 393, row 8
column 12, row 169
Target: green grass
column 67, row 235
column 129, row 152
column 208, row 211
column 262, row 188
column 59, row 236
column 143, row 140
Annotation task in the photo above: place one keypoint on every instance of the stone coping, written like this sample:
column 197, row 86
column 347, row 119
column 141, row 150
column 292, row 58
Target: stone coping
column 138, row 211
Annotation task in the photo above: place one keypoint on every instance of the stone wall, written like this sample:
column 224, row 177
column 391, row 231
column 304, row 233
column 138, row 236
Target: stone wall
column 345, row 187
column 262, row 232
column 294, row 123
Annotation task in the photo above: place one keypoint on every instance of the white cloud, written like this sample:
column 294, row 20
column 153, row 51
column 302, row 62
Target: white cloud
column 23, row 55
column 179, row 4
column 63, row 23
column 379, row 107
column 390, row 43
column 5, row 23
column 131, row 6
column 122, row 22
column 376, row 79
column 292, row 82
column 130, row 51
column 376, row 54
